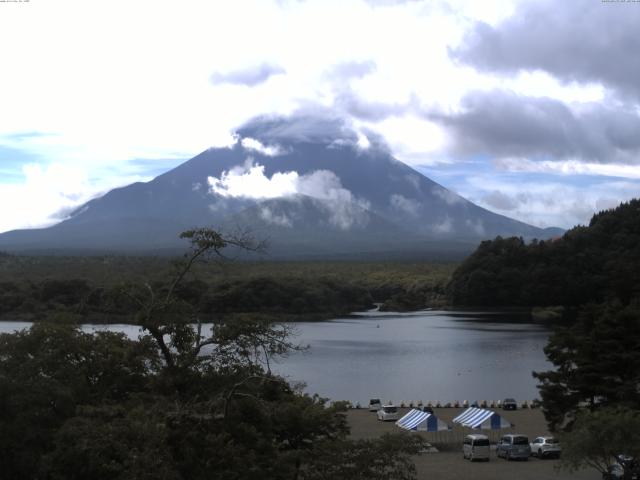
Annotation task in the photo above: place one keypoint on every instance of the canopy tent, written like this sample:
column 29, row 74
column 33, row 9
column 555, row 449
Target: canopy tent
column 422, row 421
column 482, row 419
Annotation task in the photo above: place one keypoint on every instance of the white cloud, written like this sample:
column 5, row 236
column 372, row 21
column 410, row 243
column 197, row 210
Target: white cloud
column 46, row 195
column 249, row 181
column 280, row 219
column 404, row 204
column 477, row 226
column 568, row 167
column 447, row 195
column 548, row 203
column 443, row 227
column 256, row 146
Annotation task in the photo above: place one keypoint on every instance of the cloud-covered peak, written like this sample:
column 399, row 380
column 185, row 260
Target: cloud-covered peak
column 313, row 124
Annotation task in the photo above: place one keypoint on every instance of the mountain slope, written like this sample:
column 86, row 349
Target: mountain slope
column 340, row 198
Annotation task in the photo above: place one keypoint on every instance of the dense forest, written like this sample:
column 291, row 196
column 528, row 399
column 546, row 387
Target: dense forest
column 96, row 289
column 595, row 263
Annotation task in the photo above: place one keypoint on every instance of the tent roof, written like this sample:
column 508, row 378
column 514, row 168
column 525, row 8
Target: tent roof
column 481, row 418
column 424, row 421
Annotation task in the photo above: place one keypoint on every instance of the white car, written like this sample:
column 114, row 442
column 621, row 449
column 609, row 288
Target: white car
column 545, row 447
column 375, row 404
column 388, row 413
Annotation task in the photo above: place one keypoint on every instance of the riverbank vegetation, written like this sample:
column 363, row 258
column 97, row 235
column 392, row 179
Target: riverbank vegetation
column 93, row 289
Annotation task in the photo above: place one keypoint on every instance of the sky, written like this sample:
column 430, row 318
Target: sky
column 527, row 108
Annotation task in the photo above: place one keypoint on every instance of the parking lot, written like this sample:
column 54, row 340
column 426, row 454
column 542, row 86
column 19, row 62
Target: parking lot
column 448, row 462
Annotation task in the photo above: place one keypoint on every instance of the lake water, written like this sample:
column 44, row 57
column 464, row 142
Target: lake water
column 430, row 355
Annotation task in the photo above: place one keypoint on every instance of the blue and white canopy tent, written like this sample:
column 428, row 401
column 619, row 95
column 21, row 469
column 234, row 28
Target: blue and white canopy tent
column 418, row 421
column 481, row 419
column 422, row 422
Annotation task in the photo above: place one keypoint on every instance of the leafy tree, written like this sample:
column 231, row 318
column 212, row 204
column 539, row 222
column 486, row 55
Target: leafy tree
column 384, row 459
column 597, row 437
column 597, row 364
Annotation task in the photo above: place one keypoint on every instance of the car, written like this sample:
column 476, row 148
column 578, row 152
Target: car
column 509, row 404
column 624, row 463
column 375, row 404
column 388, row 413
column 543, row 447
column 476, row 447
column 513, row 446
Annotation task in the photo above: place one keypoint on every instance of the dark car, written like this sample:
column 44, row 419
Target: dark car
column 514, row 446
column 625, row 468
column 509, row 404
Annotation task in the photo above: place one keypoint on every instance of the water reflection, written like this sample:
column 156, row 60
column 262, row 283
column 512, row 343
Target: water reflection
column 425, row 356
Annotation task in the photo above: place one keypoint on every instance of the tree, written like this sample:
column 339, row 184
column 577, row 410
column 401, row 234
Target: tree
column 597, row 437
column 176, row 403
column 597, row 364
column 385, row 459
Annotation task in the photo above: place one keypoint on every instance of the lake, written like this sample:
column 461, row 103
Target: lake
column 429, row 355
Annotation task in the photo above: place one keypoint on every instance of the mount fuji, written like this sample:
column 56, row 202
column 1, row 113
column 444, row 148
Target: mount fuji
column 312, row 187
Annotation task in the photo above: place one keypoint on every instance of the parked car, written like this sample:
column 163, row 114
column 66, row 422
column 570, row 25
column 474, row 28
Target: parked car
column 475, row 447
column 388, row 413
column 514, row 446
column 509, row 404
column 624, row 463
column 542, row 447
column 375, row 404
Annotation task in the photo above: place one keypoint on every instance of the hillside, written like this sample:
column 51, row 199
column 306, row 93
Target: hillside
column 593, row 263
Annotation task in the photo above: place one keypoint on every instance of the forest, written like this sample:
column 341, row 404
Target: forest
column 94, row 289
column 595, row 263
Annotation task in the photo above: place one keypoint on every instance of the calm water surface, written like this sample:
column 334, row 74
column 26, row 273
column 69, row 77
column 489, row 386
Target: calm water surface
column 429, row 355
column 443, row 356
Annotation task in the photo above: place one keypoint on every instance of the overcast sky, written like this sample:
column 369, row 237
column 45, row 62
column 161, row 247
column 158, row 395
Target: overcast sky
column 527, row 108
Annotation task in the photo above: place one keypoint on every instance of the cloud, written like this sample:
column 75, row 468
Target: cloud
column 447, row 195
column 274, row 218
column 477, row 226
column 498, row 200
column 567, row 167
column 574, row 41
column 404, row 204
column 46, row 195
column 250, row 182
column 250, row 76
column 257, row 146
column 373, row 111
column 504, row 124
column 349, row 70
column 312, row 123
column 544, row 200
column 444, row 227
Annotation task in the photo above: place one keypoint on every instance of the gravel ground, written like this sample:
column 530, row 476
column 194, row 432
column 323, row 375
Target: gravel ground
column 448, row 462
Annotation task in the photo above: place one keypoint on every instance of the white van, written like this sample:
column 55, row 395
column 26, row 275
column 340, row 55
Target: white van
column 476, row 447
